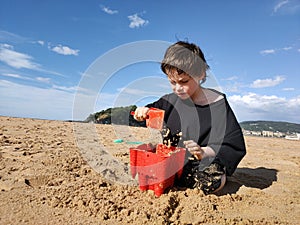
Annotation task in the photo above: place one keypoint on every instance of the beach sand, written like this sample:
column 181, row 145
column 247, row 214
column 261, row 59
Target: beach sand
column 49, row 174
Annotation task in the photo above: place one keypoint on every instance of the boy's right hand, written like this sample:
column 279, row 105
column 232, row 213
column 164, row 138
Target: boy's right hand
column 140, row 113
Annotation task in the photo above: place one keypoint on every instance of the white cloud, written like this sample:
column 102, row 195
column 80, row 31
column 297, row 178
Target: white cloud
column 232, row 87
column 108, row 10
column 20, row 60
column 287, row 7
column 267, row 51
column 14, row 75
column 16, row 59
column 64, row 50
column 274, row 51
column 265, row 107
column 29, row 101
column 56, row 102
column 288, row 89
column 6, row 46
column 230, row 78
column 64, row 88
column 267, row 82
column 41, row 42
column 11, row 37
column 280, row 5
column 46, row 80
column 287, row 48
column 136, row 21
column 142, row 91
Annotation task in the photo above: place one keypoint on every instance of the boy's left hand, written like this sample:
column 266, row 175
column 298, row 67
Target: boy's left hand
column 194, row 149
column 198, row 151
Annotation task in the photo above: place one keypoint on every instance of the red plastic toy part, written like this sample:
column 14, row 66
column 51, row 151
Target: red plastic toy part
column 156, row 168
column 155, row 118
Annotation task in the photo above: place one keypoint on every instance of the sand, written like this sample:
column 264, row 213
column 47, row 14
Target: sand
column 52, row 173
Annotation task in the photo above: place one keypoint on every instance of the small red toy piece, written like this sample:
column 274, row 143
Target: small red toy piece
column 156, row 168
column 155, row 118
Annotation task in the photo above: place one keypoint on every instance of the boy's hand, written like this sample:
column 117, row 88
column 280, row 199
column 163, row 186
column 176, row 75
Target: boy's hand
column 140, row 113
column 197, row 151
column 194, row 149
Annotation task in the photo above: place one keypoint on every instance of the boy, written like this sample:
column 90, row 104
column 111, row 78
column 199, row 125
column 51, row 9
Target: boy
column 201, row 117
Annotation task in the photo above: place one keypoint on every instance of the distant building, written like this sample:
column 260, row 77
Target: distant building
column 279, row 134
column 295, row 136
column 267, row 133
column 246, row 132
column 256, row 133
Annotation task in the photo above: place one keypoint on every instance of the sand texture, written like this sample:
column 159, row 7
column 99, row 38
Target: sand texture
column 49, row 174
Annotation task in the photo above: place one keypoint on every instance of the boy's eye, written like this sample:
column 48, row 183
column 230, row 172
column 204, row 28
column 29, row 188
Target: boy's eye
column 179, row 82
column 184, row 81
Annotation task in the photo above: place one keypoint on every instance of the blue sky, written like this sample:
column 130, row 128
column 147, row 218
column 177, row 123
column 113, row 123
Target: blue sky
column 66, row 59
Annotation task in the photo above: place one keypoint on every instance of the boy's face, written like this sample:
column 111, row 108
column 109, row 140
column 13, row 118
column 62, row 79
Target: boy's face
column 183, row 85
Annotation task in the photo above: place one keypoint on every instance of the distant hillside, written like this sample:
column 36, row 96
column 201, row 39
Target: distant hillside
column 283, row 127
column 116, row 115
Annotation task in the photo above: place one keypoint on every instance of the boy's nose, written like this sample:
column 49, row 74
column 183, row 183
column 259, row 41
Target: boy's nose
column 178, row 87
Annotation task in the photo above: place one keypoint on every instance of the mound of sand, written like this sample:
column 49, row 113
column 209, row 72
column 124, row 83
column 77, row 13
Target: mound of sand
column 49, row 174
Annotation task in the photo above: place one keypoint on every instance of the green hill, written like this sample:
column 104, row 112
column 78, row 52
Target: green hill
column 116, row 115
column 274, row 126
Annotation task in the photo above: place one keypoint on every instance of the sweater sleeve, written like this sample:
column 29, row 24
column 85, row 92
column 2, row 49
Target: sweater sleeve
column 230, row 150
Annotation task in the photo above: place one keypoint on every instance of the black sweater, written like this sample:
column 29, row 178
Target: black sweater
column 213, row 125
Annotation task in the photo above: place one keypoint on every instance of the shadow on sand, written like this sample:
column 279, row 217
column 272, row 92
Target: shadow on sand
column 260, row 178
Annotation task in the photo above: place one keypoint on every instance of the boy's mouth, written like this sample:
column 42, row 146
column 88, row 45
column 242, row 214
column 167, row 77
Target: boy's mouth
column 181, row 94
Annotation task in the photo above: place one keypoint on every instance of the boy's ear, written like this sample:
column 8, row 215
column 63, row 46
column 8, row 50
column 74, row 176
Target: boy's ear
column 201, row 77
